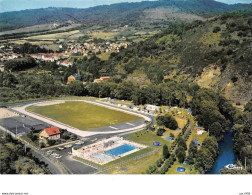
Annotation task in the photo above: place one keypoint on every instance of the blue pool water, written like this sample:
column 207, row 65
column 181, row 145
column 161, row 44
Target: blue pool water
column 226, row 155
column 120, row 150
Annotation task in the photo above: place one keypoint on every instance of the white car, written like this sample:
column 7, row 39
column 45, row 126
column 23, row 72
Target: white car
column 49, row 152
column 61, row 148
column 68, row 146
column 58, row 157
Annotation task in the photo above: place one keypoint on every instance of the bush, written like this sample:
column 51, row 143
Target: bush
column 180, row 154
column 216, row 29
column 160, row 131
column 166, row 152
column 51, row 142
column 171, row 135
column 167, row 121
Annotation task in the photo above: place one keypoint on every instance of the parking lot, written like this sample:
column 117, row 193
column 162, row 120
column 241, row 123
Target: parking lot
column 74, row 166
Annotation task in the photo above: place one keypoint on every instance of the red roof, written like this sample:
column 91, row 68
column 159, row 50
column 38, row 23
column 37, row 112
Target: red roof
column 52, row 131
column 106, row 77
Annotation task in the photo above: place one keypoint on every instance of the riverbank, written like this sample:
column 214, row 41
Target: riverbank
column 226, row 155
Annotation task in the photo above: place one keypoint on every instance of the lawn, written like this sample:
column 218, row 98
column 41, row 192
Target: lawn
column 103, row 35
column 83, row 116
column 194, row 135
column 140, row 165
column 189, row 169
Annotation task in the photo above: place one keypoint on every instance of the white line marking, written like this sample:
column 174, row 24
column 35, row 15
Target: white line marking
column 113, row 127
column 131, row 124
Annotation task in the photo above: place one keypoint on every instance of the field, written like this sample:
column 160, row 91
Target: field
column 103, row 35
column 55, row 36
column 83, row 116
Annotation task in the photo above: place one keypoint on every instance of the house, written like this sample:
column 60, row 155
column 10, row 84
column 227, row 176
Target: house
column 14, row 56
column 152, row 107
column 101, row 79
column 36, row 56
column 73, row 77
column 51, row 133
column 64, row 63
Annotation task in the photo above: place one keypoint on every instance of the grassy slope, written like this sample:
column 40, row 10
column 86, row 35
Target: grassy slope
column 82, row 115
column 217, row 60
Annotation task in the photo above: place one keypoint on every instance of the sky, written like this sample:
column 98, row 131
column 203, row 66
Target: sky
column 16, row 5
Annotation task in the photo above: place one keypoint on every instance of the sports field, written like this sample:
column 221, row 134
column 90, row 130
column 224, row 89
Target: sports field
column 83, row 116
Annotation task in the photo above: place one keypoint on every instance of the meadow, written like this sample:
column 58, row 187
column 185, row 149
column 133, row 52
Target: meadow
column 83, row 116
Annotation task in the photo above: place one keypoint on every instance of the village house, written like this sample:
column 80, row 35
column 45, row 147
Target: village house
column 73, row 77
column 64, row 63
column 101, row 79
column 51, row 133
column 14, row 56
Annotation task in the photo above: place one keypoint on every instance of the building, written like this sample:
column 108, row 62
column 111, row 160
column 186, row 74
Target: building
column 51, row 133
column 73, row 77
column 152, row 107
column 101, row 79
column 64, row 63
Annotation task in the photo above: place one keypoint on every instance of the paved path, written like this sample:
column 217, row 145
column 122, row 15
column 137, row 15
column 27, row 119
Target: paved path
column 110, row 130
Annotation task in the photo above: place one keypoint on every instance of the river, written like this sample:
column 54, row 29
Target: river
column 226, row 155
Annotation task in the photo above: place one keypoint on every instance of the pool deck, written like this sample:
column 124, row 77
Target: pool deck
column 97, row 153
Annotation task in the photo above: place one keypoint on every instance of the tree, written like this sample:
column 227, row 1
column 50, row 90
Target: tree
column 180, row 154
column 124, row 90
column 181, row 142
column 167, row 121
column 160, row 131
column 216, row 130
column 76, row 88
column 171, row 135
column 216, row 29
column 20, row 64
column 192, row 149
column 190, row 159
column 166, row 153
column 206, row 155
column 51, row 142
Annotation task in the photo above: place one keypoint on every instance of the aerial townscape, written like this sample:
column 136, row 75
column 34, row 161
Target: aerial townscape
column 151, row 87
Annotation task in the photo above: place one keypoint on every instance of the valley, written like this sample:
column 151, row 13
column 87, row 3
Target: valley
column 168, row 78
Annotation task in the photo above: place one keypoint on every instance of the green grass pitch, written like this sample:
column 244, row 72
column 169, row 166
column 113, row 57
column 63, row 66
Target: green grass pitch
column 82, row 115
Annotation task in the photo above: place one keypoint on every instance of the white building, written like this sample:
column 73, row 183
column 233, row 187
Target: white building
column 152, row 107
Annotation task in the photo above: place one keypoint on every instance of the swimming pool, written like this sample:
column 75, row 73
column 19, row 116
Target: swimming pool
column 120, row 150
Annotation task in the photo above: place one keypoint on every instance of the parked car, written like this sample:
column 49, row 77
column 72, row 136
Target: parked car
column 68, row 146
column 58, row 157
column 49, row 152
column 61, row 148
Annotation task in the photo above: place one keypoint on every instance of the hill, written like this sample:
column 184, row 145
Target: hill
column 215, row 54
column 137, row 14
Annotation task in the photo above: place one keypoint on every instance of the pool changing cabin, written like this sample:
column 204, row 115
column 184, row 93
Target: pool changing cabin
column 107, row 150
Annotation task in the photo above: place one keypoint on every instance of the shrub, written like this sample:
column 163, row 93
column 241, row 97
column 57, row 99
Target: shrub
column 216, row 29
column 160, row 131
column 167, row 121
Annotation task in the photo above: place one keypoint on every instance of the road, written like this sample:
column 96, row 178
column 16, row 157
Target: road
column 53, row 168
